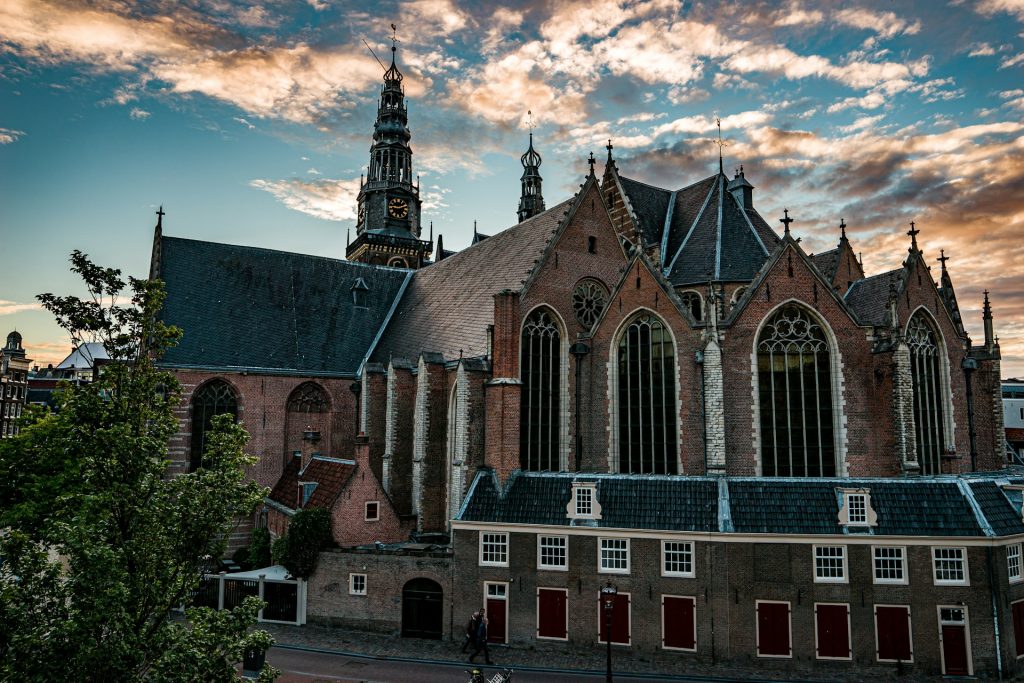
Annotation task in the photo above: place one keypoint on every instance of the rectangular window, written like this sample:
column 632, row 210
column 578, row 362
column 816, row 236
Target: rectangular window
column 372, row 511
column 950, row 566
column 1017, row 610
column 584, row 501
column 832, row 631
column 620, row 619
column 614, row 557
column 552, row 613
column 890, row 564
column 677, row 558
column 553, row 553
column 773, row 629
column 357, row 584
column 1013, row 562
column 892, row 634
column 830, row 564
column 678, row 623
column 857, row 508
column 493, row 549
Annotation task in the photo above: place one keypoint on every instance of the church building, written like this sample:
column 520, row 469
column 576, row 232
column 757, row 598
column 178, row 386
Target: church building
column 647, row 386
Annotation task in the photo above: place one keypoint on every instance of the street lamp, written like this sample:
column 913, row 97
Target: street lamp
column 608, row 593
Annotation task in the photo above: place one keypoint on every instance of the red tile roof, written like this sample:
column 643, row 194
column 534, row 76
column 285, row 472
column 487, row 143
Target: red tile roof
column 329, row 474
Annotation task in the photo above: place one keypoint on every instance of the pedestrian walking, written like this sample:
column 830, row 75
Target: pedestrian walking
column 480, row 643
column 471, row 628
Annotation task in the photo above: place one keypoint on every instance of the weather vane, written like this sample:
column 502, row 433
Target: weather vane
column 529, row 120
column 720, row 143
column 394, row 36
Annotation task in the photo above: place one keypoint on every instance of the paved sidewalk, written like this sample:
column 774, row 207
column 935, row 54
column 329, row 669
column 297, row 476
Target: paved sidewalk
column 559, row 657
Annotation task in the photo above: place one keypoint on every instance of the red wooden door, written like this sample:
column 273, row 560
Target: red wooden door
column 773, row 629
column 892, row 625
column 677, row 618
column 954, row 650
column 833, row 631
column 1018, row 627
column 496, row 618
column 620, row 620
column 551, row 613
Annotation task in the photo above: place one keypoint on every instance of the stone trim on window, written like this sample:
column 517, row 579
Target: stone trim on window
column 855, row 508
column 583, row 503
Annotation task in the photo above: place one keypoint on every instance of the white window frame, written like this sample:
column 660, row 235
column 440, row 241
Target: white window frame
column 845, row 578
column 910, row 632
column 503, row 535
column 600, row 555
column 572, row 510
column 585, row 503
column 664, row 560
column 903, row 565
column 1013, row 551
column 352, row 590
column 757, row 628
column 537, row 625
column 691, row 598
column 849, row 632
column 862, row 509
column 967, row 636
column 540, row 553
column 966, row 581
column 366, row 511
column 629, row 621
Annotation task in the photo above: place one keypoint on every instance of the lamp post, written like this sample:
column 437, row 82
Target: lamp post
column 608, row 593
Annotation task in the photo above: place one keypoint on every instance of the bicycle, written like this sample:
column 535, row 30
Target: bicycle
column 477, row 676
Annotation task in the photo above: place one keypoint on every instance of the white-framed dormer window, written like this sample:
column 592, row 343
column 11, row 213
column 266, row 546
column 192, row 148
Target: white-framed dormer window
column 357, row 584
column 583, row 502
column 1013, row 568
column 553, row 552
column 372, row 511
column 493, row 549
column 614, row 556
column 855, row 508
column 950, row 566
column 830, row 564
column 677, row 558
column 890, row 564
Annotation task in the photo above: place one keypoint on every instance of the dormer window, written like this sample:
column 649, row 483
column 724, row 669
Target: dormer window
column 583, row 502
column 855, row 508
column 359, row 291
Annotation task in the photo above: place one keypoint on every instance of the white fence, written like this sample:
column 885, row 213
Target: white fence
column 285, row 598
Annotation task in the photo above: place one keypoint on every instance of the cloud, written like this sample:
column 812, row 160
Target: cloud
column 884, row 24
column 244, row 122
column 990, row 7
column 327, row 199
column 1011, row 60
column 981, row 50
column 138, row 114
column 9, row 307
column 433, row 18
column 9, row 135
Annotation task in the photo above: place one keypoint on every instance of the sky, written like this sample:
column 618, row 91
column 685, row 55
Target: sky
column 250, row 124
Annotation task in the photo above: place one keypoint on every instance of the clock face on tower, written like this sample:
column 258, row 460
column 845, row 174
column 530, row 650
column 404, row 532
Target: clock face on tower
column 398, row 207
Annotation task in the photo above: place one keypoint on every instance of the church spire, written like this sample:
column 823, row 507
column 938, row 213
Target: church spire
column 531, row 201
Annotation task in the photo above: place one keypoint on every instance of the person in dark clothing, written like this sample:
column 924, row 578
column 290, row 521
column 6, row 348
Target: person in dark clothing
column 471, row 628
column 480, row 643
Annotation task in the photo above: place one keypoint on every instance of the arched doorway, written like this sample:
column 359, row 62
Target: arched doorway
column 422, row 609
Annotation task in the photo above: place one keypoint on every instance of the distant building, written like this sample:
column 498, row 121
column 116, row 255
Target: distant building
column 81, row 366
column 13, row 384
column 1013, row 414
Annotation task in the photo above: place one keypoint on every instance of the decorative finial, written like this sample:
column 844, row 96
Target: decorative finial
column 942, row 259
column 394, row 38
column 431, row 231
column 842, row 229
column 529, row 121
column 474, row 230
column 160, row 216
column 913, row 232
column 591, row 161
column 720, row 144
column 348, row 236
column 609, row 147
column 741, row 170
column 786, row 220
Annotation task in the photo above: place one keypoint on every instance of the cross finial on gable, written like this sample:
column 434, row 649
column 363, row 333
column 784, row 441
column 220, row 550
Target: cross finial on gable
column 913, row 232
column 591, row 161
column 160, row 216
column 942, row 259
column 786, row 220
column 609, row 147
column 842, row 229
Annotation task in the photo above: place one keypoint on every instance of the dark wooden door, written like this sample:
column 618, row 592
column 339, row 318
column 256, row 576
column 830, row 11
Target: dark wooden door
column 551, row 613
column 422, row 609
column 954, row 650
column 678, row 623
column 496, row 618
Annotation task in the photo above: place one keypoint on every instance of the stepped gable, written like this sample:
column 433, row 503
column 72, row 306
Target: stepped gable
column 869, row 298
column 264, row 310
column 650, row 204
column 449, row 304
column 329, row 474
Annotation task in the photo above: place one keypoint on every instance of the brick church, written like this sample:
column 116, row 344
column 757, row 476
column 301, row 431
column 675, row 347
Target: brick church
column 642, row 385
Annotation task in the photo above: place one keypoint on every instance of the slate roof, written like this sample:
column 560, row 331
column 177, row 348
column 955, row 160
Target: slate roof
column 259, row 309
column 869, row 298
column 627, row 501
column 330, row 474
column 448, row 305
column 650, row 205
column 826, row 262
column 941, row 506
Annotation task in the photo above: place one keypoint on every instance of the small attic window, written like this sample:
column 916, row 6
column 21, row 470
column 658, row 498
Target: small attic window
column 305, row 491
column 694, row 303
column 583, row 501
column 359, row 291
column 855, row 508
column 1015, row 495
column 592, row 245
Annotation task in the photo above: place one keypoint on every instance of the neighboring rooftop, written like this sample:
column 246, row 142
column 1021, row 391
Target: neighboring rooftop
column 869, row 298
column 326, row 476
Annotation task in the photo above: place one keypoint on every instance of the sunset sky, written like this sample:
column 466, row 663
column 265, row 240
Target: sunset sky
column 250, row 124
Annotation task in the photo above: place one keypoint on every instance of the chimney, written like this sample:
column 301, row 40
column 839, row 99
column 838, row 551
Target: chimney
column 741, row 190
column 310, row 439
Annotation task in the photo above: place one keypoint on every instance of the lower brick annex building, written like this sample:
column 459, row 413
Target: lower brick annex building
column 772, row 456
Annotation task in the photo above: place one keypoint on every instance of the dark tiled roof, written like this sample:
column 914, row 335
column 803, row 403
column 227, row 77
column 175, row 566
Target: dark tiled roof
column 650, row 204
column 689, row 201
column 904, row 507
column 826, row 262
column 869, row 298
column 627, row 501
column 448, row 305
column 330, row 476
column 243, row 307
column 1001, row 515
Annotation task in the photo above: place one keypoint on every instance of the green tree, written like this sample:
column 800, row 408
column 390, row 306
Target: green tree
column 309, row 532
column 99, row 544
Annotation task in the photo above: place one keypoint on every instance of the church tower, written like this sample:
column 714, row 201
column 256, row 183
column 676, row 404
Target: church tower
column 531, row 202
column 388, row 223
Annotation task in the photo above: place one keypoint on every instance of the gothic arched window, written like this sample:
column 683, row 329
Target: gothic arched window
column 309, row 397
column 588, row 301
column 694, row 303
column 541, row 408
column 647, row 398
column 794, row 364
column 213, row 398
column 929, row 416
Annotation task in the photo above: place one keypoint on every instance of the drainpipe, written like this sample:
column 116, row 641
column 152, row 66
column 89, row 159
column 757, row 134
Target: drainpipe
column 995, row 611
column 578, row 351
column 969, row 366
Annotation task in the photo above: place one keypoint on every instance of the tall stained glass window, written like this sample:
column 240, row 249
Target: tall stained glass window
column 541, row 409
column 648, row 436
column 928, row 395
column 211, row 399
